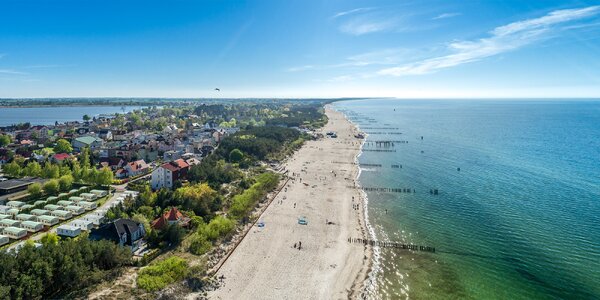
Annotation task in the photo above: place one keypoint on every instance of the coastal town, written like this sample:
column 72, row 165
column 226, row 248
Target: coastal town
column 145, row 185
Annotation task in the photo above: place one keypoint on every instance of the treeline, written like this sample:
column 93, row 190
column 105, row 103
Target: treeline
column 58, row 267
column 309, row 116
column 258, row 142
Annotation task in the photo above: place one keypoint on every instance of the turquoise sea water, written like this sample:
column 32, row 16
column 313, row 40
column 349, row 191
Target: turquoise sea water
column 520, row 220
column 48, row 115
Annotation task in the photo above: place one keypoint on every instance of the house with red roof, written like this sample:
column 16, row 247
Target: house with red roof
column 168, row 173
column 136, row 168
column 172, row 216
column 60, row 157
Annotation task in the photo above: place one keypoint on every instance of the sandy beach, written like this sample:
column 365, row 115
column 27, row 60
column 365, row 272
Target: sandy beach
column 268, row 263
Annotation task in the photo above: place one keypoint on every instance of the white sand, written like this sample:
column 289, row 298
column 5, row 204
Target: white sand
column 265, row 265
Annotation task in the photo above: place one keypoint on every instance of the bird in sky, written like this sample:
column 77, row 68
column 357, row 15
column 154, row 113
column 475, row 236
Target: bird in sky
column 217, row 89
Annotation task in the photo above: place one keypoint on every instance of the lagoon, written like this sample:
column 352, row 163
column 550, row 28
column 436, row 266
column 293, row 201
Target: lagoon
column 51, row 114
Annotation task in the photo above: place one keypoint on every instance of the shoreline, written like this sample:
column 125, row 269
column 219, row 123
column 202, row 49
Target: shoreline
column 364, row 283
column 322, row 190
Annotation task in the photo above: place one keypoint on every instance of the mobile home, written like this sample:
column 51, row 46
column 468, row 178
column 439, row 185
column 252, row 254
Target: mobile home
column 61, row 214
column 76, row 210
column 82, row 224
column 99, row 193
column 39, row 212
column 64, row 203
column 14, row 233
column 4, row 240
column 89, row 196
column 87, row 205
column 76, row 199
column 52, row 207
column 32, row 226
column 68, row 230
column 25, row 217
column 9, row 223
column 48, row 220
column 15, row 204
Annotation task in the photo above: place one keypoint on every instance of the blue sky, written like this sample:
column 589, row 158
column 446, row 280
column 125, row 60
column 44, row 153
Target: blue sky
column 267, row 48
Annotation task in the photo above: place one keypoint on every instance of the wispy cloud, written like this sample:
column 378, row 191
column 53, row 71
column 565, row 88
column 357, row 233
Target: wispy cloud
column 502, row 39
column 446, row 16
column 301, row 68
column 362, row 26
column 12, row 72
column 45, row 66
column 352, row 11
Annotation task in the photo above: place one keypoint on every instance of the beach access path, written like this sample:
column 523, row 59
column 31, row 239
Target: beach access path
column 266, row 265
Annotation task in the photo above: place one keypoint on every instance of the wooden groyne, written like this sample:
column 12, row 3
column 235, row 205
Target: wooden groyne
column 378, row 150
column 389, row 190
column 371, row 128
column 389, row 244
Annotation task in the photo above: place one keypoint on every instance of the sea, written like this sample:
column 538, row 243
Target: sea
column 517, row 209
column 48, row 115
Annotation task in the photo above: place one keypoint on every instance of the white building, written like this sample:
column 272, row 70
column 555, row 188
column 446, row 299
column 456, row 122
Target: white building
column 68, row 230
column 165, row 175
column 82, row 224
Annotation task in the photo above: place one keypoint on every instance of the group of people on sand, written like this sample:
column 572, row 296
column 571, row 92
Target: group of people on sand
column 299, row 246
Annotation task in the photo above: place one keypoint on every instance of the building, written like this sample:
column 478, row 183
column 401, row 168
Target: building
column 125, row 232
column 15, row 204
column 68, row 230
column 14, row 233
column 168, row 173
column 75, row 210
column 172, row 216
column 25, row 217
column 86, row 205
column 4, row 223
column 48, row 220
column 4, row 240
column 52, row 207
column 87, row 141
column 61, row 214
column 99, row 193
column 16, row 185
column 88, row 196
column 135, row 168
column 82, row 224
column 39, row 212
column 32, row 226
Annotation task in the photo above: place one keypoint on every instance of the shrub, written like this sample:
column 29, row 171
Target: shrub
column 158, row 275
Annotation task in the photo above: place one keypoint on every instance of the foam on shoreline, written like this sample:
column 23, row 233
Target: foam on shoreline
column 369, row 283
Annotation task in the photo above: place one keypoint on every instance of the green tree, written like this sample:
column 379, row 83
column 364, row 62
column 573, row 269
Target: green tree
column 52, row 187
column 33, row 169
column 35, row 190
column 85, row 158
column 104, row 177
column 50, row 239
column 50, row 171
column 65, row 182
column 86, row 117
column 63, row 146
column 4, row 140
column 200, row 198
column 236, row 155
column 12, row 169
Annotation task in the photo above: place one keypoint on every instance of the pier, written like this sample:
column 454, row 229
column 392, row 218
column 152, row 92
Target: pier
column 388, row 244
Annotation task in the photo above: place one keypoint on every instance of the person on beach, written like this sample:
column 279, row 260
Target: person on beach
column 299, row 245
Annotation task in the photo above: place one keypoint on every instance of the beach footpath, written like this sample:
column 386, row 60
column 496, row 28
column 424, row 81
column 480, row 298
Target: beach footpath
column 300, row 250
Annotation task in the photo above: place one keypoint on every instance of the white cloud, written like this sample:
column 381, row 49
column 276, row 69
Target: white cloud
column 502, row 39
column 352, row 11
column 446, row 16
column 360, row 26
column 11, row 72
